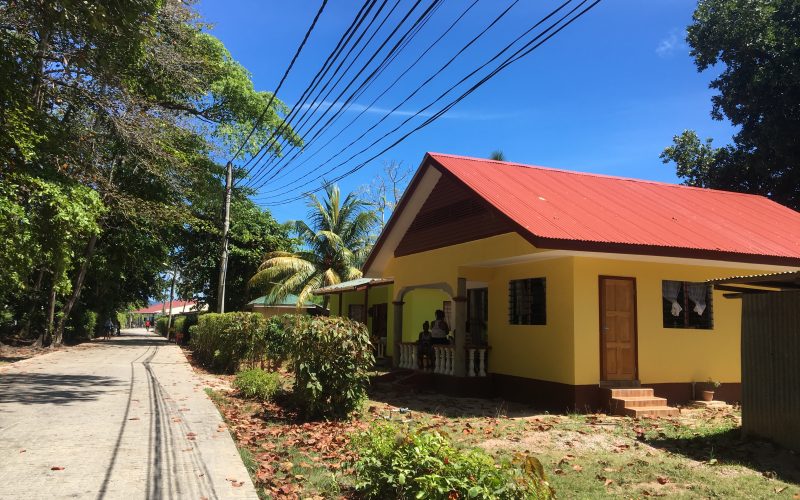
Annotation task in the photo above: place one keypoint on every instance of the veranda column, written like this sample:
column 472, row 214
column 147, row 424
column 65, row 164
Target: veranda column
column 397, row 331
column 460, row 355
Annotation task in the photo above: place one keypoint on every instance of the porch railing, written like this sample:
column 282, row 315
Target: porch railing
column 443, row 361
column 380, row 347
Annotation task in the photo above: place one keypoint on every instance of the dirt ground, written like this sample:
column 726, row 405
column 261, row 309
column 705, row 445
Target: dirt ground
column 699, row 454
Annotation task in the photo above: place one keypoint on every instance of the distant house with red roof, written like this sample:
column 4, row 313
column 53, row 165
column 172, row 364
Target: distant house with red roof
column 568, row 290
column 164, row 308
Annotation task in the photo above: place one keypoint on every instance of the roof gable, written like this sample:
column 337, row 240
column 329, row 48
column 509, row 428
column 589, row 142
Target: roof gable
column 450, row 215
column 560, row 209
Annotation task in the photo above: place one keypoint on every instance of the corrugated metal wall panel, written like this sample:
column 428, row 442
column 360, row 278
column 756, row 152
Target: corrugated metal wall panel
column 771, row 367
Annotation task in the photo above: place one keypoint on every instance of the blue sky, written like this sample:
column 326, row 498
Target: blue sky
column 605, row 95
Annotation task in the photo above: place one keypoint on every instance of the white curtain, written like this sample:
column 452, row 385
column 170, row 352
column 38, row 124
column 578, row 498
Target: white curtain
column 697, row 294
column 669, row 290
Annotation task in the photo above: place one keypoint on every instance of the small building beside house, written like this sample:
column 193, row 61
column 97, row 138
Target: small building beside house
column 366, row 300
column 288, row 305
column 561, row 286
column 770, row 354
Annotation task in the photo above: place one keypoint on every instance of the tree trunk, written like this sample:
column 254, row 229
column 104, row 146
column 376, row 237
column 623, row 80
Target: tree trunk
column 26, row 329
column 51, row 314
column 76, row 290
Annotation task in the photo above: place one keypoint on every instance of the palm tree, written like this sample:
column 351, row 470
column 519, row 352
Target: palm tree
column 497, row 155
column 335, row 244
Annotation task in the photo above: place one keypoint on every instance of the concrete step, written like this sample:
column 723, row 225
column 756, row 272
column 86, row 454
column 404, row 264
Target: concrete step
column 652, row 411
column 639, row 402
column 632, row 393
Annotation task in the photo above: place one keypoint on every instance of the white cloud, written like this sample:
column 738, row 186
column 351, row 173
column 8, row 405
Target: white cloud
column 358, row 108
column 671, row 43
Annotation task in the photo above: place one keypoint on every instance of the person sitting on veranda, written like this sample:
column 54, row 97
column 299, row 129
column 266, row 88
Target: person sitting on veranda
column 440, row 329
column 425, row 347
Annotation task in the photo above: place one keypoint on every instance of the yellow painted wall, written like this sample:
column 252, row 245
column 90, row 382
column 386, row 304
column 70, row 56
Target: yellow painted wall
column 567, row 348
column 665, row 354
column 420, row 306
column 543, row 352
column 442, row 265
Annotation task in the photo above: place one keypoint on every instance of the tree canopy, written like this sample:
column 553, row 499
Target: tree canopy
column 112, row 116
column 755, row 44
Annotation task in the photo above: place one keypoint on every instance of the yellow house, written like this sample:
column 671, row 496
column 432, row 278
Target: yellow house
column 559, row 287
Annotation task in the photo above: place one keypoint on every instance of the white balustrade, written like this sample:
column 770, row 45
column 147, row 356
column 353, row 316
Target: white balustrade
column 482, row 362
column 471, row 363
column 380, row 348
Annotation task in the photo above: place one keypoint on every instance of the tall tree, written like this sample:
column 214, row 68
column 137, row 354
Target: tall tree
column 131, row 101
column 756, row 44
column 335, row 242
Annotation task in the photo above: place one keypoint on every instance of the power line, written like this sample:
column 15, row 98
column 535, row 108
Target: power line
column 519, row 54
column 387, row 89
column 283, row 79
column 371, row 76
column 442, row 95
column 427, row 81
column 306, row 109
column 343, row 107
column 343, row 41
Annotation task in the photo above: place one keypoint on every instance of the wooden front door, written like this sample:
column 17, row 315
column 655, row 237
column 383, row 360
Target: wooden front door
column 618, row 329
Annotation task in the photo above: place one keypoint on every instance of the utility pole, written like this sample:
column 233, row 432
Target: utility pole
column 226, row 224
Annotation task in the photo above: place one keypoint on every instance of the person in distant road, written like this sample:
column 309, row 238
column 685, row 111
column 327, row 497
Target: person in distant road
column 147, row 325
column 109, row 328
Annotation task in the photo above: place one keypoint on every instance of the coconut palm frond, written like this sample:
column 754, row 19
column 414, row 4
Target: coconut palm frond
column 314, row 283
column 336, row 241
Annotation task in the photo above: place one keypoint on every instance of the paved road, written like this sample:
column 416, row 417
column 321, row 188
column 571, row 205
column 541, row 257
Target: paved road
column 125, row 419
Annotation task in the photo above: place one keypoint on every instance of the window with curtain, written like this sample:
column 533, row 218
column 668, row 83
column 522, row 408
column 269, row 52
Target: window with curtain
column 687, row 305
column 527, row 302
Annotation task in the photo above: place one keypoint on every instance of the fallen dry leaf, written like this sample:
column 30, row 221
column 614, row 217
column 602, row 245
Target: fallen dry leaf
column 577, row 468
column 56, row 467
column 780, row 490
column 662, row 479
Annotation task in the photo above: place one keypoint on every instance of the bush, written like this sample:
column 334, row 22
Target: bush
column 161, row 325
column 399, row 464
column 222, row 342
column 88, row 324
column 331, row 359
column 177, row 323
column 189, row 321
column 256, row 383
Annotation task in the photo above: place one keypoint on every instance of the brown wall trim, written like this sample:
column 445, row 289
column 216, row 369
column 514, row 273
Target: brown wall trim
column 546, row 395
column 680, row 393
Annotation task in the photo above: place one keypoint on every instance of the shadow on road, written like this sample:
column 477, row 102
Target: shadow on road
column 41, row 388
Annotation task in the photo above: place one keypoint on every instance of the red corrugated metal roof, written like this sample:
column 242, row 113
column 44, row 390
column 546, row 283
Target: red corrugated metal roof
column 161, row 306
column 565, row 205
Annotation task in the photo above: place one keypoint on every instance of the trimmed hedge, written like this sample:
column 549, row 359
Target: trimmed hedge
column 401, row 464
column 222, row 342
column 161, row 325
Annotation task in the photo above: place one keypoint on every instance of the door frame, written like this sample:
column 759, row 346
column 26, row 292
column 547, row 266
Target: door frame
column 601, row 312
